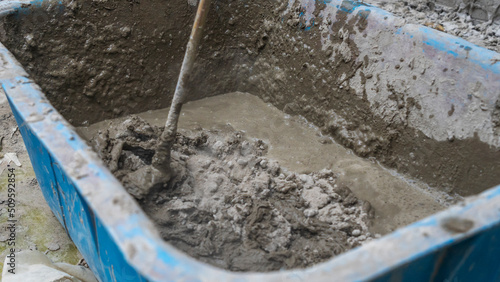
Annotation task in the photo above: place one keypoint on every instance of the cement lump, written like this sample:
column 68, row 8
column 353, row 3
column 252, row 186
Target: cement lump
column 230, row 206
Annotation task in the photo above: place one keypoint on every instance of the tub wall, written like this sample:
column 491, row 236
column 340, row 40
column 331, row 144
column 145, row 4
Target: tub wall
column 418, row 100
column 107, row 63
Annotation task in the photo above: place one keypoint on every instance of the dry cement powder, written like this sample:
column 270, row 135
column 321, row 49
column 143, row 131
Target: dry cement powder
column 230, row 206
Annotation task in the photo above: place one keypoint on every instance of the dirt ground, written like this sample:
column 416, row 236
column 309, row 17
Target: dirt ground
column 37, row 228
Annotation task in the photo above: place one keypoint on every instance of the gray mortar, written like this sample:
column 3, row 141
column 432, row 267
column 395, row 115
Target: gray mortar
column 230, row 206
column 102, row 59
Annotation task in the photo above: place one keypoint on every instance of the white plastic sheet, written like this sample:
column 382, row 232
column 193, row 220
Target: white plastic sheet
column 35, row 266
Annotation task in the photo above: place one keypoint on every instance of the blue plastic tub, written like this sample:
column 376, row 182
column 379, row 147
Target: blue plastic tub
column 121, row 244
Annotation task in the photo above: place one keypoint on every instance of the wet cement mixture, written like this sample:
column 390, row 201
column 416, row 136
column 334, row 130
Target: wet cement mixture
column 253, row 180
column 37, row 227
column 231, row 206
column 453, row 20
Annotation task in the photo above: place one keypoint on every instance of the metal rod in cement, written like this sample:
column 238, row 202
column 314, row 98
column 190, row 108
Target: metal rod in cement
column 161, row 159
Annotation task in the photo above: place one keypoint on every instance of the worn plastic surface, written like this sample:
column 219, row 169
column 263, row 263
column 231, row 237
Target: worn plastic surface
column 120, row 244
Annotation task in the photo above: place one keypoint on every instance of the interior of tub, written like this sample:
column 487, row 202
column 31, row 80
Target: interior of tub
column 284, row 159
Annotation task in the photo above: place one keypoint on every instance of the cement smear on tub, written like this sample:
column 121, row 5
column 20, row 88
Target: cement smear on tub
column 231, row 206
